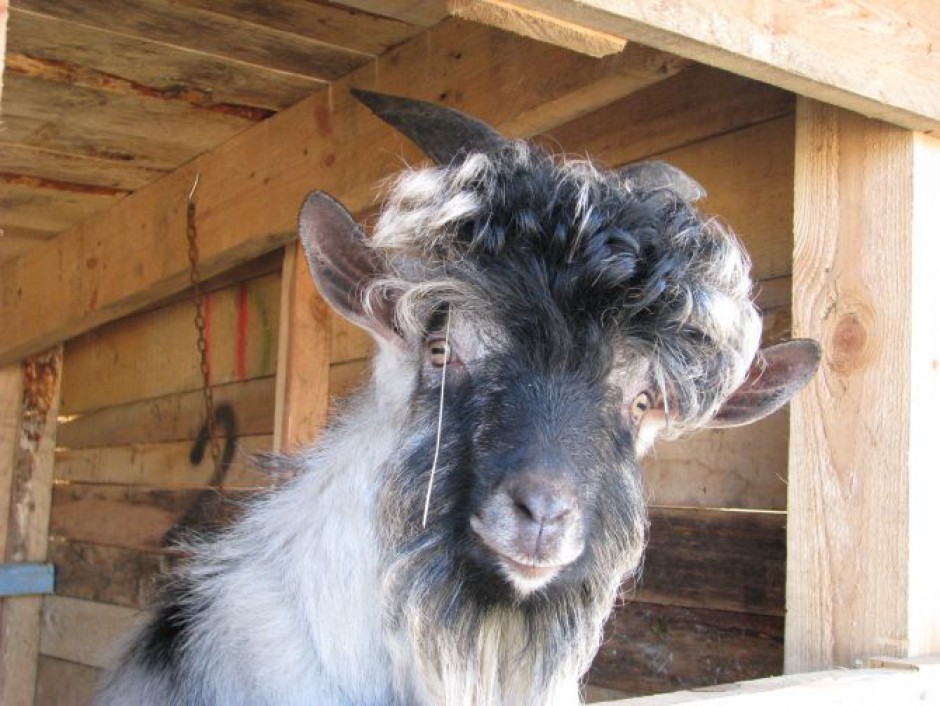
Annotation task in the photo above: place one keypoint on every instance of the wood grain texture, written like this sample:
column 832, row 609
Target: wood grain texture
column 652, row 648
column 325, row 22
column 208, row 33
column 134, row 517
column 156, row 65
column 251, row 186
column 420, row 12
column 27, row 526
column 694, row 105
column 849, row 485
column 303, row 363
column 743, row 467
column 82, row 631
column 538, row 26
column 63, row 683
column 174, row 417
column 108, row 574
column 923, row 610
column 165, row 465
column 715, row 559
column 876, row 60
column 78, row 169
column 154, row 353
column 907, row 683
column 92, row 122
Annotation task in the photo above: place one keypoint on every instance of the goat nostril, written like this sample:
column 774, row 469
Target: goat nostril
column 542, row 504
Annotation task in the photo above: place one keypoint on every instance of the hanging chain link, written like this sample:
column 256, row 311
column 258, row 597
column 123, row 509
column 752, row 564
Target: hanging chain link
column 202, row 344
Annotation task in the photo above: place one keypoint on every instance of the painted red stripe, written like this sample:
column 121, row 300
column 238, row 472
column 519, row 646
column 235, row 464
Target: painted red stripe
column 241, row 333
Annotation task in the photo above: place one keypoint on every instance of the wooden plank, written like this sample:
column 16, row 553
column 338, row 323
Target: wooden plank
column 108, row 574
column 48, row 209
column 348, row 342
column 84, row 632
column 26, row 579
column 872, row 59
column 61, row 166
column 154, row 353
column 723, row 468
column 157, row 66
column 134, row 517
column 538, row 26
column 348, row 376
column 4, row 20
column 173, row 417
column 62, row 683
column 91, row 122
column 715, row 559
column 28, row 524
column 327, row 23
column 209, row 34
column 248, row 211
column 303, row 358
column 749, row 176
column 864, row 285
column 419, row 12
column 11, row 401
column 651, row 648
column 164, row 465
column 923, row 613
column 912, row 683
column 692, row 106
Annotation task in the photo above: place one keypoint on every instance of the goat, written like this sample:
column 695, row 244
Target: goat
column 460, row 532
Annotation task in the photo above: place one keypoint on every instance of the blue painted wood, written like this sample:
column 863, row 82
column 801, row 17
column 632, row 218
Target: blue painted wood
column 26, row 579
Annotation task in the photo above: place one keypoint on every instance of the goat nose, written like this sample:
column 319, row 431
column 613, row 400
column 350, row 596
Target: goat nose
column 543, row 501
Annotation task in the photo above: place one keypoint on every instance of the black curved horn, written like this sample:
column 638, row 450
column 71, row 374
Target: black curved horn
column 442, row 133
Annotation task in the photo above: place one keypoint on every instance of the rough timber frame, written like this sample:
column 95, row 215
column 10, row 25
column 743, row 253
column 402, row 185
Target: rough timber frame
column 863, row 446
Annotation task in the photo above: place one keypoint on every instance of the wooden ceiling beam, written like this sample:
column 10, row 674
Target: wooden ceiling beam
column 877, row 59
column 250, row 189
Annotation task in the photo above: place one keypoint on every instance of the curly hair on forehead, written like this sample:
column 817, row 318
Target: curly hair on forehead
column 673, row 282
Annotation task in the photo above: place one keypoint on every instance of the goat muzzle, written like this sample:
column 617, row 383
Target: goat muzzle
column 532, row 524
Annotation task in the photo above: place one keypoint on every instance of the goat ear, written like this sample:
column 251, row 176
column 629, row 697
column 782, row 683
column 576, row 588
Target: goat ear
column 651, row 176
column 786, row 368
column 342, row 264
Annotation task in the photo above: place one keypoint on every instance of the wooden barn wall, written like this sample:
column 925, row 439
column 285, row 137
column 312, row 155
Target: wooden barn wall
column 709, row 608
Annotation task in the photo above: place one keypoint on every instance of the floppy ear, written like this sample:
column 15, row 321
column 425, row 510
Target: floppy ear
column 784, row 371
column 342, row 264
column 651, row 176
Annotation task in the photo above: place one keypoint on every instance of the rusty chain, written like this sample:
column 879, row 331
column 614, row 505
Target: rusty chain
column 202, row 344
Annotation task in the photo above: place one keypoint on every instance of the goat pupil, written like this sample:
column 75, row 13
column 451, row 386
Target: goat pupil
column 440, row 353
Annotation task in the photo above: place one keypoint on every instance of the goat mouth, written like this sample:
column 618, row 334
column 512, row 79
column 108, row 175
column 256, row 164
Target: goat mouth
column 524, row 573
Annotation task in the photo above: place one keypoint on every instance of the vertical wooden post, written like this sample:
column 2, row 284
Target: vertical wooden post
column 303, row 364
column 865, row 436
column 29, row 395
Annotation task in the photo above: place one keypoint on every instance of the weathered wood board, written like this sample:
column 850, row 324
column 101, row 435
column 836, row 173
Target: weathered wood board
column 155, row 354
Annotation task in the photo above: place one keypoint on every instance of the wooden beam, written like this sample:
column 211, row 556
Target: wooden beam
column 862, row 574
column 303, row 362
column 4, row 16
column 538, row 25
column 908, row 683
column 134, row 254
column 878, row 59
column 26, row 527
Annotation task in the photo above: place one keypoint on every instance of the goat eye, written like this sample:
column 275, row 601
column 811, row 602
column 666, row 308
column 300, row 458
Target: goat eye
column 439, row 352
column 640, row 406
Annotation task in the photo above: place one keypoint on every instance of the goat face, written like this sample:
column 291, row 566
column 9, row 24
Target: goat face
column 552, row 318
